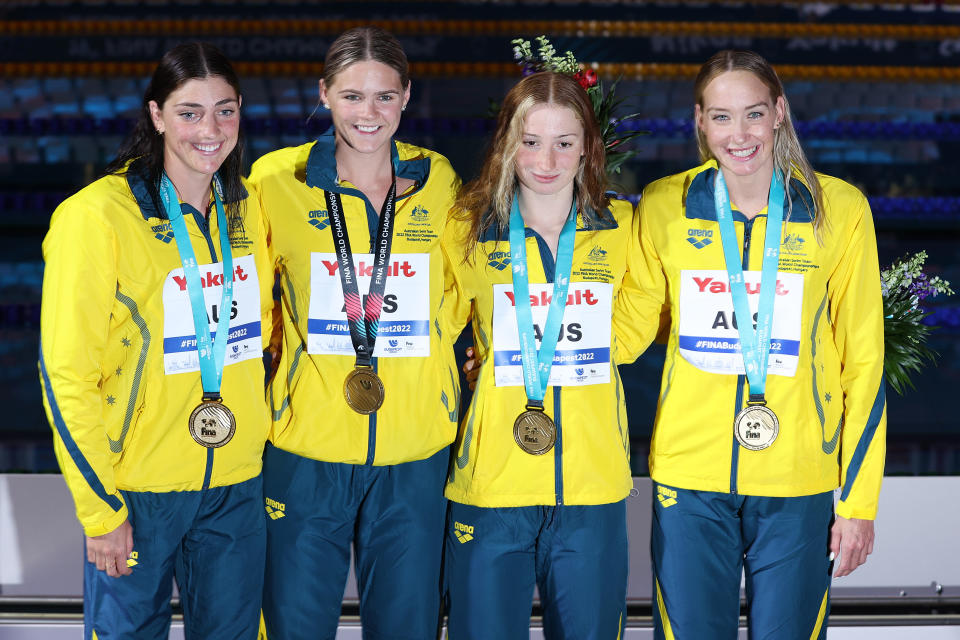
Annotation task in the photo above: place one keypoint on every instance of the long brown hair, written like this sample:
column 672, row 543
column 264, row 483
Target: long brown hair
column 788, row 155
column 486, row 199
column 179, row 65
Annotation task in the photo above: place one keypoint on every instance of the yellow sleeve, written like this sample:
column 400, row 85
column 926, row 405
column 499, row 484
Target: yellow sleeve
column 457, row 300
column 856, row 307
column 641, row 299
column 267, row 267
column 79, row 286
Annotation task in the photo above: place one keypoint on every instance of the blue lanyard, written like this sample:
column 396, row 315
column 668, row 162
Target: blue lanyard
column 754, row 344
column 211, row 351
column 536, row 365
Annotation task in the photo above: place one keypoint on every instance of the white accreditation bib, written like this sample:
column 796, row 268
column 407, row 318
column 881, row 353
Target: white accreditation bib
column 583, row 349
column 404, row 330
column 708, row 336
column 179, row 336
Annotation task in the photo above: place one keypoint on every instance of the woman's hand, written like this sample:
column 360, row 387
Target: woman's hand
column 851, row 540
column 470, row 369
column 111, row 550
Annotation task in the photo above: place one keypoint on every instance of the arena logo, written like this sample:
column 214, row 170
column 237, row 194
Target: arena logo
column 319, row 219
column 700, row 238
column 499, row 260
column 463, row 532
column 163, row 232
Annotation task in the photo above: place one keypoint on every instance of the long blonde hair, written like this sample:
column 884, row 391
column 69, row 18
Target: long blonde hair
column 486, row 200
column 788, row 155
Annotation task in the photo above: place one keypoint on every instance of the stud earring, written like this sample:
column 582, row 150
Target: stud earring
column 326, row 106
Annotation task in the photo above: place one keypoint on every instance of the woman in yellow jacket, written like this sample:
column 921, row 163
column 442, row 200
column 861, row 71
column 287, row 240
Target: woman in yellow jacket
column 152, row 368
column 541, row 470
column 365, row 399
column 772, row 393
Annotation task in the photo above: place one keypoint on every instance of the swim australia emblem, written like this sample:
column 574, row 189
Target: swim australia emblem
column 794, row 243
column 597, row 254
column 499, row 260
column 319, row 219
column 420, row 214
column 700, row 238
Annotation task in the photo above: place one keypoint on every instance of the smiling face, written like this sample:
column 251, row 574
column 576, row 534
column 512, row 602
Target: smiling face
column 548, row 159
column 200, row 122
column 738, row 117
column 365, row 101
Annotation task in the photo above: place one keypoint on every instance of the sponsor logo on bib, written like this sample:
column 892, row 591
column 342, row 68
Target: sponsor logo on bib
column 403, row 330
column 708, row 336
column 583, row 345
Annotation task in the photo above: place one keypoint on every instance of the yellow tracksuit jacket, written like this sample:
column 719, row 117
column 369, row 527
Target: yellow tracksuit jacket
column 119, row 419
column 590, row 463
column 827, row 387
column 422, row 393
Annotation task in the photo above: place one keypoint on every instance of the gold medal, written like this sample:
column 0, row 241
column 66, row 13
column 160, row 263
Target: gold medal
column 535, row 432
column 756, row 427
column 363, row 390
column 211, row 424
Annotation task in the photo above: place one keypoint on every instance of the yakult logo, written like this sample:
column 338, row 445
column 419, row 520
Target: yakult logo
column 395, row 269
column 211, row 279
column 543, row 300
column 712, row 285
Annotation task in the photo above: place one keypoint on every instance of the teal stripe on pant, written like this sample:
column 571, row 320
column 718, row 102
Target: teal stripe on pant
column 702, row 541
column 576, row 555
column 394, row 517
column 212, row 541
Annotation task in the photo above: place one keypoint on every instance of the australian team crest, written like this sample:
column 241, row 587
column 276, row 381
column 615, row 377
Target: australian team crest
column 793, row 243
column 597, row 254
column 319, row 219
column 419, row 214
column 499, row 260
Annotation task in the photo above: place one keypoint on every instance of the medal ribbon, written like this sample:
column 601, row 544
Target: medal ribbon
column 754, row 344
column 210, row 350
column 536, row 364
column 363, row 320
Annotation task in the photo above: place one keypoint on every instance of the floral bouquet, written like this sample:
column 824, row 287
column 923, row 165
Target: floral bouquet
column 604, row 102
column 905, row 286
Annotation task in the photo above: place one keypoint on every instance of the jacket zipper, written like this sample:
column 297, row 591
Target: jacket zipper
column 741, row 379
column 204, row 227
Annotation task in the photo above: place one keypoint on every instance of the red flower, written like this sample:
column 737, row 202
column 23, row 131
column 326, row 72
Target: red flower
column 586, row 77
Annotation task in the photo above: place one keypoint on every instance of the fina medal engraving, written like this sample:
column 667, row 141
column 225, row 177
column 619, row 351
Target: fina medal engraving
column 363, row 390
column 211, row 424
column 534, row 432
column 756, row 427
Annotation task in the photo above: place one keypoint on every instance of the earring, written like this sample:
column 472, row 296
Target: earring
column 403, row 108
column 326, row 106
column 159, row 131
